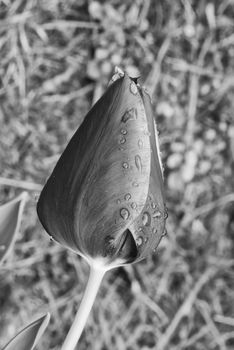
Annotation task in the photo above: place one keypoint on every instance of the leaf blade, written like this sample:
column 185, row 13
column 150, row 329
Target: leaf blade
column 10, row 218
column 29, row 336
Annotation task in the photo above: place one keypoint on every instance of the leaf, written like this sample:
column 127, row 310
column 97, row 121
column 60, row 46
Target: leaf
column 29, row 336
column 10, row 217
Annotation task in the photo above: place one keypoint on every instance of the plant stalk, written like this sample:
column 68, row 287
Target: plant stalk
column 94, row 281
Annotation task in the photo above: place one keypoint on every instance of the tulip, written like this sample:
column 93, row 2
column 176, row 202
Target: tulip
column 105, row 199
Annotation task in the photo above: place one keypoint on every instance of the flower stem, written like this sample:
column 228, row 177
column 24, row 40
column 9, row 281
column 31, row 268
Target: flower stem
column 94, row 281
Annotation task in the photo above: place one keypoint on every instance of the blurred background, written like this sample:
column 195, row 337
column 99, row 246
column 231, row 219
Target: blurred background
column 56, row 58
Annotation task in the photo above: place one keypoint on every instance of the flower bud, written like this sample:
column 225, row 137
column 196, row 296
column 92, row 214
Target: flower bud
column 105, row 198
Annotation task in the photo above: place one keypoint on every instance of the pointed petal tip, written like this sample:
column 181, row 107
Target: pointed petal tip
column 124, row 248
column 119, row 73
column 128, row 248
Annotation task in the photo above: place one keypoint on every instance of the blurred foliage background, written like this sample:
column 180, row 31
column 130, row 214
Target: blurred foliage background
column 56, row 58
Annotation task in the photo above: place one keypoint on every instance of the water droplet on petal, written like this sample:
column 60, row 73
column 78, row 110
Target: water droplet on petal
column 122, row 140
column 164, row 232
column 2, row 248
column 138, row 162
column 139, row 240
column 124, row 213
column 135, row 184
column 157, row 214
column 123, row 131
column 51, row 239
column 140, row 143
column 154, row 230
column 125, row 165
column 127, row 197
column 130, row 114
column 153, row 205
column 134, row 205
column 146, row 218
column 146, row 239
column 118, row 201
column 165, row 215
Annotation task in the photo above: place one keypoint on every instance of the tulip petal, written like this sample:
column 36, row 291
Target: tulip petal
column 122, row 249
column 29, row 336
column 101, row 178
column 149, row 227
column 10, row 217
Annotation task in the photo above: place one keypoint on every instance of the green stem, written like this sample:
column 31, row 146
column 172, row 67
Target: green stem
column 95, row 278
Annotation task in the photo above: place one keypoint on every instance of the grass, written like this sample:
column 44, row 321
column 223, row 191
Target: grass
column 56, row 60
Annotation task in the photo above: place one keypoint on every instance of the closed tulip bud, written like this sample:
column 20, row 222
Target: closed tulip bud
column 105, row 197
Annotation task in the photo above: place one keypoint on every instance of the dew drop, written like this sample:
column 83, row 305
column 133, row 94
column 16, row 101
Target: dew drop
column 118, row 201
column 146, row 218
column 146, row 240
column 123, row 132
column 135, row 184
column 157, row 214
column 122, row 140
column 140, row 144
column 153, row 205
column 127, row 197
column 138, row 162
column 124, row 213
column 134, row 205
column 51, row 239
column 154, row 230
column 130, row 114
column 125, row 165
column 2, row 248
column 133, row 88
column 139, row 240
column 164, row 232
